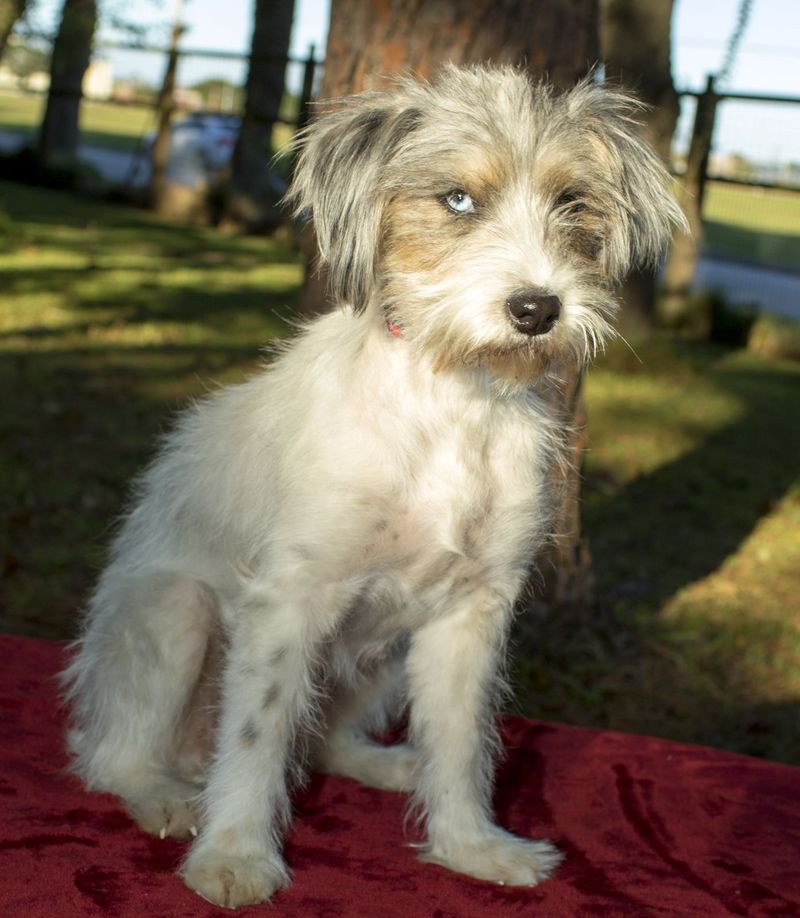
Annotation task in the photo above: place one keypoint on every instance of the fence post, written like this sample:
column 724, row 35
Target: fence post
column 309, row 72
column 700, row 145
column 679, row 272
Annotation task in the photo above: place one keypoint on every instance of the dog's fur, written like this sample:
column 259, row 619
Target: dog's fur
column 350, row 529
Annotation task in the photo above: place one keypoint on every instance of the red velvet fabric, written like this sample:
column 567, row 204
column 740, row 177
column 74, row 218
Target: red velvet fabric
column 648, row 828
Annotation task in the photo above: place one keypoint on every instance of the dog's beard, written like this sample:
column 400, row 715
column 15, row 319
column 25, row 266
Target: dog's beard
column 458, row 323
column 513, row 360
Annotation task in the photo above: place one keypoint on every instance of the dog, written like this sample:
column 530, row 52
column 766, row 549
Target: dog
column 343, row 538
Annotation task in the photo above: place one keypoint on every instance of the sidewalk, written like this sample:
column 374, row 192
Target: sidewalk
column 772, row 290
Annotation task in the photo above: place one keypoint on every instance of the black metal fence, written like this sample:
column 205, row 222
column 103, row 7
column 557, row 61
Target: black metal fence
column 754, row 116
column 208, row 80
column 704, row 114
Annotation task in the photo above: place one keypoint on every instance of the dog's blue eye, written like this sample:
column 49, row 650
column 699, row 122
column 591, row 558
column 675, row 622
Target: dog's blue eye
column 459, row 202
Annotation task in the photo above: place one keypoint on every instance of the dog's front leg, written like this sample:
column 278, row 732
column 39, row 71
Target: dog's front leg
column 267, row 689
column 453, row 664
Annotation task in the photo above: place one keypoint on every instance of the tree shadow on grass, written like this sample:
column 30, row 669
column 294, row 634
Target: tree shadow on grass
column 622, row 664
column 111, row 228
column 677, row 524
column 76, row 427
column 255, row 310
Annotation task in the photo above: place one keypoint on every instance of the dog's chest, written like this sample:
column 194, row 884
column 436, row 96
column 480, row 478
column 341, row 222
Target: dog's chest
column 468, row 506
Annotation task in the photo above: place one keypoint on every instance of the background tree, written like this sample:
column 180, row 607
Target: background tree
column 72, row 50
column 24, row 59
column 162, row 194
column 369, row 39
column 251, row 200
column 636, row 49
column 10, row 12
column 680, row 269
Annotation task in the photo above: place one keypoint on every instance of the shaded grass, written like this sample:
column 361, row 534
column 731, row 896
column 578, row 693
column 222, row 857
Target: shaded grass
column 692, row 509
column 758, row 225
column 110, row 319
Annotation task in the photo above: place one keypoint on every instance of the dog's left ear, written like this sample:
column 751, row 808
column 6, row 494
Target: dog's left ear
column 341, row 158
column 638, row 189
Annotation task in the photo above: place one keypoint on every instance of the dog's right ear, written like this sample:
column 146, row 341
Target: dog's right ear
column 340, row 160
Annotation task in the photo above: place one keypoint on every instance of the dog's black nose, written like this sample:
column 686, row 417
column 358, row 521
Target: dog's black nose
column 534, row 311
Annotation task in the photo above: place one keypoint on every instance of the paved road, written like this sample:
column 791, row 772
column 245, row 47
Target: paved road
column 774, row 291
column 115, row 166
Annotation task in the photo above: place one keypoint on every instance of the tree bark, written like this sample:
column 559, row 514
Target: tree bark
column 636, row 49
column 162, row 145
column 369, row 41
column 251, row 200
column 554, row 39
column 10, row 12
column 72, row 50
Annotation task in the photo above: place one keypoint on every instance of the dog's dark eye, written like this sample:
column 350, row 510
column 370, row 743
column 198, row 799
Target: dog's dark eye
column 571, row 201
column 459, row 202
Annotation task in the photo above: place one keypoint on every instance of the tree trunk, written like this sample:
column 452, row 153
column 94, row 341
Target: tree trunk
column 557, row 39
column 636, row 49
column 251, row 200
column 10, row 12
column 160, row 198
column 72, row 50
column 369, row 40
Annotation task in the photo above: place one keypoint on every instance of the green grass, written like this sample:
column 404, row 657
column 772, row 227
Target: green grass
column 102, row 123
column 692, row 509
column 110, row 319
column 758, row 225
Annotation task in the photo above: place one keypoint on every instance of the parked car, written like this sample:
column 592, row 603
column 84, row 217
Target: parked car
column 201, row 150
column 209, row 136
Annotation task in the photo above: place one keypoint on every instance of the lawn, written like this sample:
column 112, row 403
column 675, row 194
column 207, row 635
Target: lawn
column 111, row 319
column 759, row 225
column 103, row 124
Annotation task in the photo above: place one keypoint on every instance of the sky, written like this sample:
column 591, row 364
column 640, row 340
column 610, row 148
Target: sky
column 768, row 61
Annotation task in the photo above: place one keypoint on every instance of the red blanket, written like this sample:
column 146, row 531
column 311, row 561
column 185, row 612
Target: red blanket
column 648, row 828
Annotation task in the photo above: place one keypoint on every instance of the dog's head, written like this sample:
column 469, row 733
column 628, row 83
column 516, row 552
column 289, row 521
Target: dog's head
column 488, row 216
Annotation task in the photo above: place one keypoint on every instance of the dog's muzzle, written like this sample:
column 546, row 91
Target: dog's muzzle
column 533, row 311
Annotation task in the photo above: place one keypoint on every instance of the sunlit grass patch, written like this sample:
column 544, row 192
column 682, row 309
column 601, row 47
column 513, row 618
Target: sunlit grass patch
column 692, row 510
column 110, row 319
column 759, row 225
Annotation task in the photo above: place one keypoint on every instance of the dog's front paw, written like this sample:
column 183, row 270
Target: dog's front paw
column 232, row 881
column 499, row 857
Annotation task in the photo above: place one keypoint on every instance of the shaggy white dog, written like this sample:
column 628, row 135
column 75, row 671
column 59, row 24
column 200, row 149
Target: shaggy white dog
column 348, row 532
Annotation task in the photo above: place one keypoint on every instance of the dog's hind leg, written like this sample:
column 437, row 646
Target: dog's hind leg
column 131, row 684
column 356, row 713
